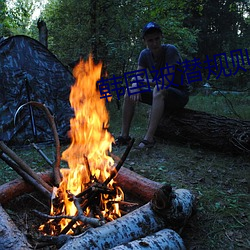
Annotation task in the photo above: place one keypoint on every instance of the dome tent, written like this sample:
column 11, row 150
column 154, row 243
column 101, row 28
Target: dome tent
column 30, row 72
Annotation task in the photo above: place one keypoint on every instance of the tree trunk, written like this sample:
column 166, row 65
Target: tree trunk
column 212, row 131
column 10, row 237
column 43, row 32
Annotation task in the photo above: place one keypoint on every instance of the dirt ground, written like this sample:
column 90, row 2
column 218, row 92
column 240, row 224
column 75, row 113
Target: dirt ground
column 220, row 182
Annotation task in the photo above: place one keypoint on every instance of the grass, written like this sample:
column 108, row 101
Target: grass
column 219, row 180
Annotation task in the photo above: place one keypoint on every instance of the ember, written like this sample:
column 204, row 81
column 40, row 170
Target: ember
column 87, row 188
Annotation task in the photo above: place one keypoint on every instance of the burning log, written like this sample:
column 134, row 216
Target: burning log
column 215, row 132
column 163, row 239
column 165, row 210
column 10, row 237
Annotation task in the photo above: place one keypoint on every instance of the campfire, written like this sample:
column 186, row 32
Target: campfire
column 87, row 198
column 87, row 188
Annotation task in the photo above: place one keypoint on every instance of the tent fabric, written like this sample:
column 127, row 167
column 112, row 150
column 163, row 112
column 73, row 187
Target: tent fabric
column 30, row 72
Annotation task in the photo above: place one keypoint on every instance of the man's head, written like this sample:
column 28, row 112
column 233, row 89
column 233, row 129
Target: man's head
column 150, row 28
column 152, row 36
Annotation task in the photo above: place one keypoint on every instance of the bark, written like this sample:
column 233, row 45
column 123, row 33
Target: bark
column 163, row 239
column 150, row 218
column 136, row 185
column 26, row 176
column 212, row 131
column 23, row 165
column 43, row 32
column 10, row 237
column 140, row 187
column 18, row 187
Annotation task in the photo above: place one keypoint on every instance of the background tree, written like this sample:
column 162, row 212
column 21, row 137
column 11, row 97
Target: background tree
column 4, row 19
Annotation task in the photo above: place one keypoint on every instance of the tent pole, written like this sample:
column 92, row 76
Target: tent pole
column 33, row 125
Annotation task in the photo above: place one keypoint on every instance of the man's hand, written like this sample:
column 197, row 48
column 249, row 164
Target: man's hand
column 134, row 88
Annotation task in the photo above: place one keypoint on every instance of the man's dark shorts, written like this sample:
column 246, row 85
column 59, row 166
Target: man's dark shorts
column 175, row 99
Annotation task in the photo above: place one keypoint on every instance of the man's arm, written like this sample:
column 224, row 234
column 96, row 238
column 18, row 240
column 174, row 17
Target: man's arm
column 166, row 76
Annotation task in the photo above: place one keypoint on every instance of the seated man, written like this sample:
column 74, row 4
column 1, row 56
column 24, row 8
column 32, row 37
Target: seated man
column 170, row 87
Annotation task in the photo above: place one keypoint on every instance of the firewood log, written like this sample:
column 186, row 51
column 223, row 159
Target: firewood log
column 10, row 237
column 131, row 182
column 161, row 240
column 150, row 218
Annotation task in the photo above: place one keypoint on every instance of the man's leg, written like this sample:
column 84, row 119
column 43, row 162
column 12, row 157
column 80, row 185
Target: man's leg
column 128, row 110
column 156, row 114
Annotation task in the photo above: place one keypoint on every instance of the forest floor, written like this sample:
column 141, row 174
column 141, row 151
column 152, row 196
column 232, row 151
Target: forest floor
column 219, row 180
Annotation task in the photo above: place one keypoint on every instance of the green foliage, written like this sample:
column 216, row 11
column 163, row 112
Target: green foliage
column 111, row 30
column 4, row 19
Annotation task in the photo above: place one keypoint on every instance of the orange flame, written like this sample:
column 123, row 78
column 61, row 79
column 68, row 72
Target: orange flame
column 87, row 156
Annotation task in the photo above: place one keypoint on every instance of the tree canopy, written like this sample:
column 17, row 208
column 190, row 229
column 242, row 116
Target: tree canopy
column 111, row 30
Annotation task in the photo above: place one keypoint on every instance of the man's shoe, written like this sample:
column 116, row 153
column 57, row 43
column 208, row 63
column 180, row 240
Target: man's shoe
column 146, row 144
column 121, row 141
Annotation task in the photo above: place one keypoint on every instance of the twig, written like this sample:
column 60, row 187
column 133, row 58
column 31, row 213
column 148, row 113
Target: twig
column 120, row 163
column 42, row 154
column 23, row 165
column 25, row 175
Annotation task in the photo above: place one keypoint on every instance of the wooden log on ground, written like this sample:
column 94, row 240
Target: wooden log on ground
column 163, row 239
column 18, row 187
column 131, row 182
column 212, row 131
column 140, row 187
column 150, row 218
column 10, row 237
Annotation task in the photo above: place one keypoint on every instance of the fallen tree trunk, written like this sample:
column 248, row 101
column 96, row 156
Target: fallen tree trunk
column 163, row 239
column 10, row 237
column 212, row 131
column 148, row 219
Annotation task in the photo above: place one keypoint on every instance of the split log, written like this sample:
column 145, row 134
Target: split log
column 10, row 237
column 150, row 218
column 163, row 239
column 212, row 131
